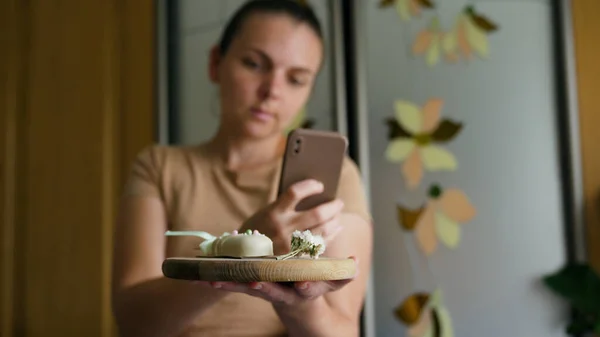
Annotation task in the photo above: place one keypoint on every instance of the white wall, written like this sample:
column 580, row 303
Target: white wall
column 200, row 28
column 508, row 166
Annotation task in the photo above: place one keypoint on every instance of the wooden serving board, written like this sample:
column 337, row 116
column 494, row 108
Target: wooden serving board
column 258, row 269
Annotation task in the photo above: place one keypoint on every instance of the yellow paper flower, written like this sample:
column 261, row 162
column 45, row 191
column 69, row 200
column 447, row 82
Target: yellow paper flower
column 441, row 218
column 414, row 135
column 469, row 36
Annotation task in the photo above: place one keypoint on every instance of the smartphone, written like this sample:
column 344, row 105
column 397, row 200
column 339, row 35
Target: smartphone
column 313, row 154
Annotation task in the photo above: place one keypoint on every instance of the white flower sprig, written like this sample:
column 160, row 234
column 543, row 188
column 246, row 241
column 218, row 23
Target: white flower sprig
column 305, row 243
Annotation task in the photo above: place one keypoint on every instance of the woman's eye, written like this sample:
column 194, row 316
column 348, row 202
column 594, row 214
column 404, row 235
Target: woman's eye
column 250, row 63
column 297, row 81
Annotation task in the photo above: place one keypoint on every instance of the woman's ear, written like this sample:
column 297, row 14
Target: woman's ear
column 213, row 64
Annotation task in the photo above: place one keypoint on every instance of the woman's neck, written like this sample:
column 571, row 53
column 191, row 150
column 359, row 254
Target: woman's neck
column 238, row 153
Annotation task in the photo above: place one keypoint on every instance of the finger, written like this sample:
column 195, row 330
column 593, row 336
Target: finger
column 328, row 230
column 275, row 293
column 319, row 215
column 315, row 289
column 311, row 290
column 297, row 192
column 356, row 262
column 261, row 290
column 201, row 283
column 230, row 286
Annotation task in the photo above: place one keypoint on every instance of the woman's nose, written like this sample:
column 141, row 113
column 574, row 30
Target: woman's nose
column 272, row 86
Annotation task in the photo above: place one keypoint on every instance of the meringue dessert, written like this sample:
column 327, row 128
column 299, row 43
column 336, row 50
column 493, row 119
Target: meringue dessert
column 241, row 245
column 247, row 244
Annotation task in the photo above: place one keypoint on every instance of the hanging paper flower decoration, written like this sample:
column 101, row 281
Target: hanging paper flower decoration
column 408, row 8
column 414, row 136
column 440, row 218
column 469, row 36
column 430, row 41
column 425, row 315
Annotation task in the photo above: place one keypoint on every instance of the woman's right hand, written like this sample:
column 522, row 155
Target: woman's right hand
column 280, row 219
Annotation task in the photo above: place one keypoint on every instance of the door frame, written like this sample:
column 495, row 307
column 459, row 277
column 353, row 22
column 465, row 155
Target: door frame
column 569, row 128
column 585, row 77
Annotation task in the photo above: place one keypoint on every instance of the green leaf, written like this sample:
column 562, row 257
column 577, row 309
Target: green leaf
column 446, row 131
column 597, row 327
column 579, row 285
column 578, row 327
column 395, row 130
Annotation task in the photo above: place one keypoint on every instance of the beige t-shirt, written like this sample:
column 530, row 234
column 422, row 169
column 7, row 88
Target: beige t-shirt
column 199, row 193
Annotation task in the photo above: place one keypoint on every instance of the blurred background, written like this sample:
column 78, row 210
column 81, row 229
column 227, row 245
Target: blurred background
column 85, row 85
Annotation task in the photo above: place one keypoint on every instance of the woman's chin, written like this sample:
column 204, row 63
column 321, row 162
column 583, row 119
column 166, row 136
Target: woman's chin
column 254, row 131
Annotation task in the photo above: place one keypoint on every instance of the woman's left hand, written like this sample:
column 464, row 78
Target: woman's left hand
column 278, row 293
column 284, row 294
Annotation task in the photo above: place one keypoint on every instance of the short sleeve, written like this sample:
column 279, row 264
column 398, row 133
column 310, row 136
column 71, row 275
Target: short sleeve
column 352, row 192
column 145, row 173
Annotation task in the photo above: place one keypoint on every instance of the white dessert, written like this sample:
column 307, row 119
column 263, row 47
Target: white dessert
column 255, row 244
column 241, row 245
column 248, row 244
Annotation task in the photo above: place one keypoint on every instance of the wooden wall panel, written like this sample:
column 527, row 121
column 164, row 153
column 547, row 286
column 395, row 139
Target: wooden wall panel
column 77, row 106
column 13, row 46
column 587, row 51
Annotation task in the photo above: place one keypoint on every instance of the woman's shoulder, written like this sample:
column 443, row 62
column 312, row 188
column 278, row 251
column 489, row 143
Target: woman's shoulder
column 159, row 156
column 158, row 166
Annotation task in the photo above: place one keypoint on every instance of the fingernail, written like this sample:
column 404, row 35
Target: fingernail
column 216, row 285
column 303, row 286
column 256, row 286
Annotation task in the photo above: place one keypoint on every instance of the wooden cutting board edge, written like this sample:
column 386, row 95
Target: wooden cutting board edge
column 258, row 269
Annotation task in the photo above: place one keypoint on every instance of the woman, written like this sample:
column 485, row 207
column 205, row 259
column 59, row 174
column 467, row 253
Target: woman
column 265, row 66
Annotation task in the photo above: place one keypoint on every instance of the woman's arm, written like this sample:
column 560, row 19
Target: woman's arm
column 336, row 313
column 144, row 302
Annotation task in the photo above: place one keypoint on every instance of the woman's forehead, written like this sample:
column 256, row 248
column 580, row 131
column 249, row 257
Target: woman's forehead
column 282, row 39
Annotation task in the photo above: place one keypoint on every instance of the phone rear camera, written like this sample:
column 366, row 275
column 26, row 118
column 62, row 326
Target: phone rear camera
column 297, row 145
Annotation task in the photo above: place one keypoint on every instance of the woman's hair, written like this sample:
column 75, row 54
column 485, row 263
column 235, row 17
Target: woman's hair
column 294, row 9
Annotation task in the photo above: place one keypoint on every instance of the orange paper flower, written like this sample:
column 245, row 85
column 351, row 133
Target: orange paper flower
column 439, row 219
column 430, row 42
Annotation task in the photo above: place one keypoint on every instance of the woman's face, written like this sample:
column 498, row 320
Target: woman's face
column 266, row 75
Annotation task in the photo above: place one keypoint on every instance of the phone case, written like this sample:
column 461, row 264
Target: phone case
column 313, row 154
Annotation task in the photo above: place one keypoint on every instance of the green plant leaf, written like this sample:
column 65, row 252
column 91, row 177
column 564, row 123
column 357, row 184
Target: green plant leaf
column 579, row 284
column 578, row 327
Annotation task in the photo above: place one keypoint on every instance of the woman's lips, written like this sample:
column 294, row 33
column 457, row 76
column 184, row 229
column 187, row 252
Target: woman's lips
column 261, row 115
